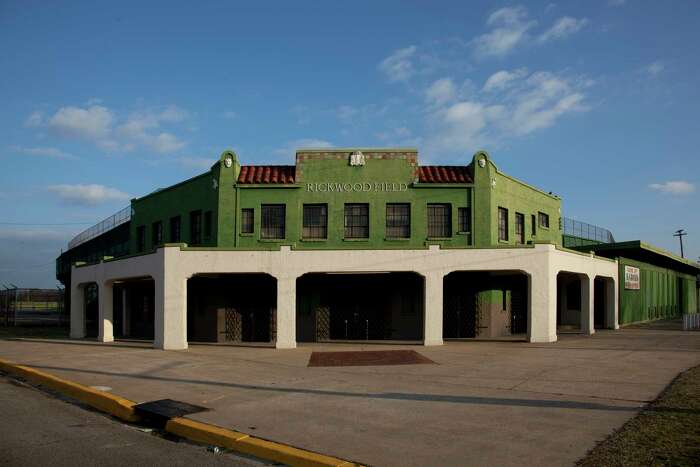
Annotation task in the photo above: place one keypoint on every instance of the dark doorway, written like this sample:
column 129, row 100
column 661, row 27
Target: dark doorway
column 91, row 310
column 231, row 308
column 387, row 306
column 134, row 309
column 484, row 304
column 599, row 302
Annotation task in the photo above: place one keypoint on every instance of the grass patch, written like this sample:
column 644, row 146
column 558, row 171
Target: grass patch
column 43, row 332
column 665, row 433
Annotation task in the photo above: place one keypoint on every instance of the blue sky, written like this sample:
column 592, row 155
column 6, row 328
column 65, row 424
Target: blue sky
column 103, row 101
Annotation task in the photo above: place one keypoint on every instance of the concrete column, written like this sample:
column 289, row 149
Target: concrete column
column 587, row 305
column 542, row 318
column 170, row 312
column 77, row 311
column 432, row 308
column 105, row 314
column 286, row 312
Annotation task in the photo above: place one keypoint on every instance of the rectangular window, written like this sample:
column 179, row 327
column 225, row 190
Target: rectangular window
column 175, row 229
column 141, row 238
column 464, row 217
column 398, row 220
column 207, row 224
column 544, row 219
column 533, row 221
column 519, row 228
column 315, row 221
column 272, row 224
column 503, row 224
column 357, row 221
column 195, row 227
column 247, row 220
column 157, row 233
column 439, row 220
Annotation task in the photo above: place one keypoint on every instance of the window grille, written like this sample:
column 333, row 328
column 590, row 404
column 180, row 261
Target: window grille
column 195, row 227
column 315, row 221
column 357, row 221
column 503, row 224
column 247, row 220
column 519, row 228
column 465, row 220
column 439, row 220
column 398, row 220
column 544, row 219
column 273, row 221
column 175, row 229
column 157, row 233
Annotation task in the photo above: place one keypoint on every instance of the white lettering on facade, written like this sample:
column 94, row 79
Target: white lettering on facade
column 387, row 187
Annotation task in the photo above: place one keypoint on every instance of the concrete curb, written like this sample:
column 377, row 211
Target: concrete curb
column 100, row 400
column 189, row 429
column 241, row 442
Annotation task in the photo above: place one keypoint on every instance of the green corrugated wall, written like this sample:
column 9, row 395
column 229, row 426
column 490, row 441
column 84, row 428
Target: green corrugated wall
column 663, row 293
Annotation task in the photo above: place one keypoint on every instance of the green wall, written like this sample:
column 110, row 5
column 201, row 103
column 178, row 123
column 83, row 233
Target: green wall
column 663, row 293
column 496, row 189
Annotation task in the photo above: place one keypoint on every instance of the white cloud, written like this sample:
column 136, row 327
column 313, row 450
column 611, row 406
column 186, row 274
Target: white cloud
column 510, row 27
column 91, row 123
column 441, row 91
column 655, row 68
column 502, row 79
column 50, row 152
column 674, row 187
column 563, row 27
column 511, row 104
column 34, row 119
column 399, row 65
column 101, row 126
column 88, row 194
column 544, row 98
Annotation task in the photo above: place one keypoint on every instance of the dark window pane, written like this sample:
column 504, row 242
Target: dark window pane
column 141, row 238
column 544, row 220
column 272, row 221
column 247, row 220
column 503, row 224
column 519, row 228
column 534, row 225
column 207, row 224
column 398, row 220
column 195, row 227
column 157, row 233
column 439, row 220
column 357, row 221
column 315, row 221
column 464, row 219
column 175, row 229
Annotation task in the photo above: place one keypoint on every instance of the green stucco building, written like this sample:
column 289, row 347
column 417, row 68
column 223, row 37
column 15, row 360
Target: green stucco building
column 347, row 244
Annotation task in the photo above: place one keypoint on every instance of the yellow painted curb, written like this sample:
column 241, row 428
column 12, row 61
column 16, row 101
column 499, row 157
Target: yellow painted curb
column 101, row 400
column 243, row 443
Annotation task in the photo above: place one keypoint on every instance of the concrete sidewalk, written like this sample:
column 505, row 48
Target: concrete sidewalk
column 484, row 403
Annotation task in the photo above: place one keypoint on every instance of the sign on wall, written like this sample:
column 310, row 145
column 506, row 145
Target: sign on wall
column 631, row 278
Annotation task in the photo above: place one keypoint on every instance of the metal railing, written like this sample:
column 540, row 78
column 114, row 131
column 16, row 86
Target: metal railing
column 582, row 230
column 111, row 222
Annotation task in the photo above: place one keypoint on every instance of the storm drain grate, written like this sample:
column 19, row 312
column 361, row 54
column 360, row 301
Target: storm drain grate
column 160, row 411
column 368, row 358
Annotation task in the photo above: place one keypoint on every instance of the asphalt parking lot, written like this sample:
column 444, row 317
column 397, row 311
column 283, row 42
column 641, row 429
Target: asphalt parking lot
column 479, row 403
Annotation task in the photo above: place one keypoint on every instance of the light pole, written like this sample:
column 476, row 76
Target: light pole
column 680, row 233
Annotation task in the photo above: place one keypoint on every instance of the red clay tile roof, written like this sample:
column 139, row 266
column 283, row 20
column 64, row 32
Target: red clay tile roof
column 444, row 174
column 252, row 174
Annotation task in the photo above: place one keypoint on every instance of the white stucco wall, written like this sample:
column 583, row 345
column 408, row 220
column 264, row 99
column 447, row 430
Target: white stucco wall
column 171, row 266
